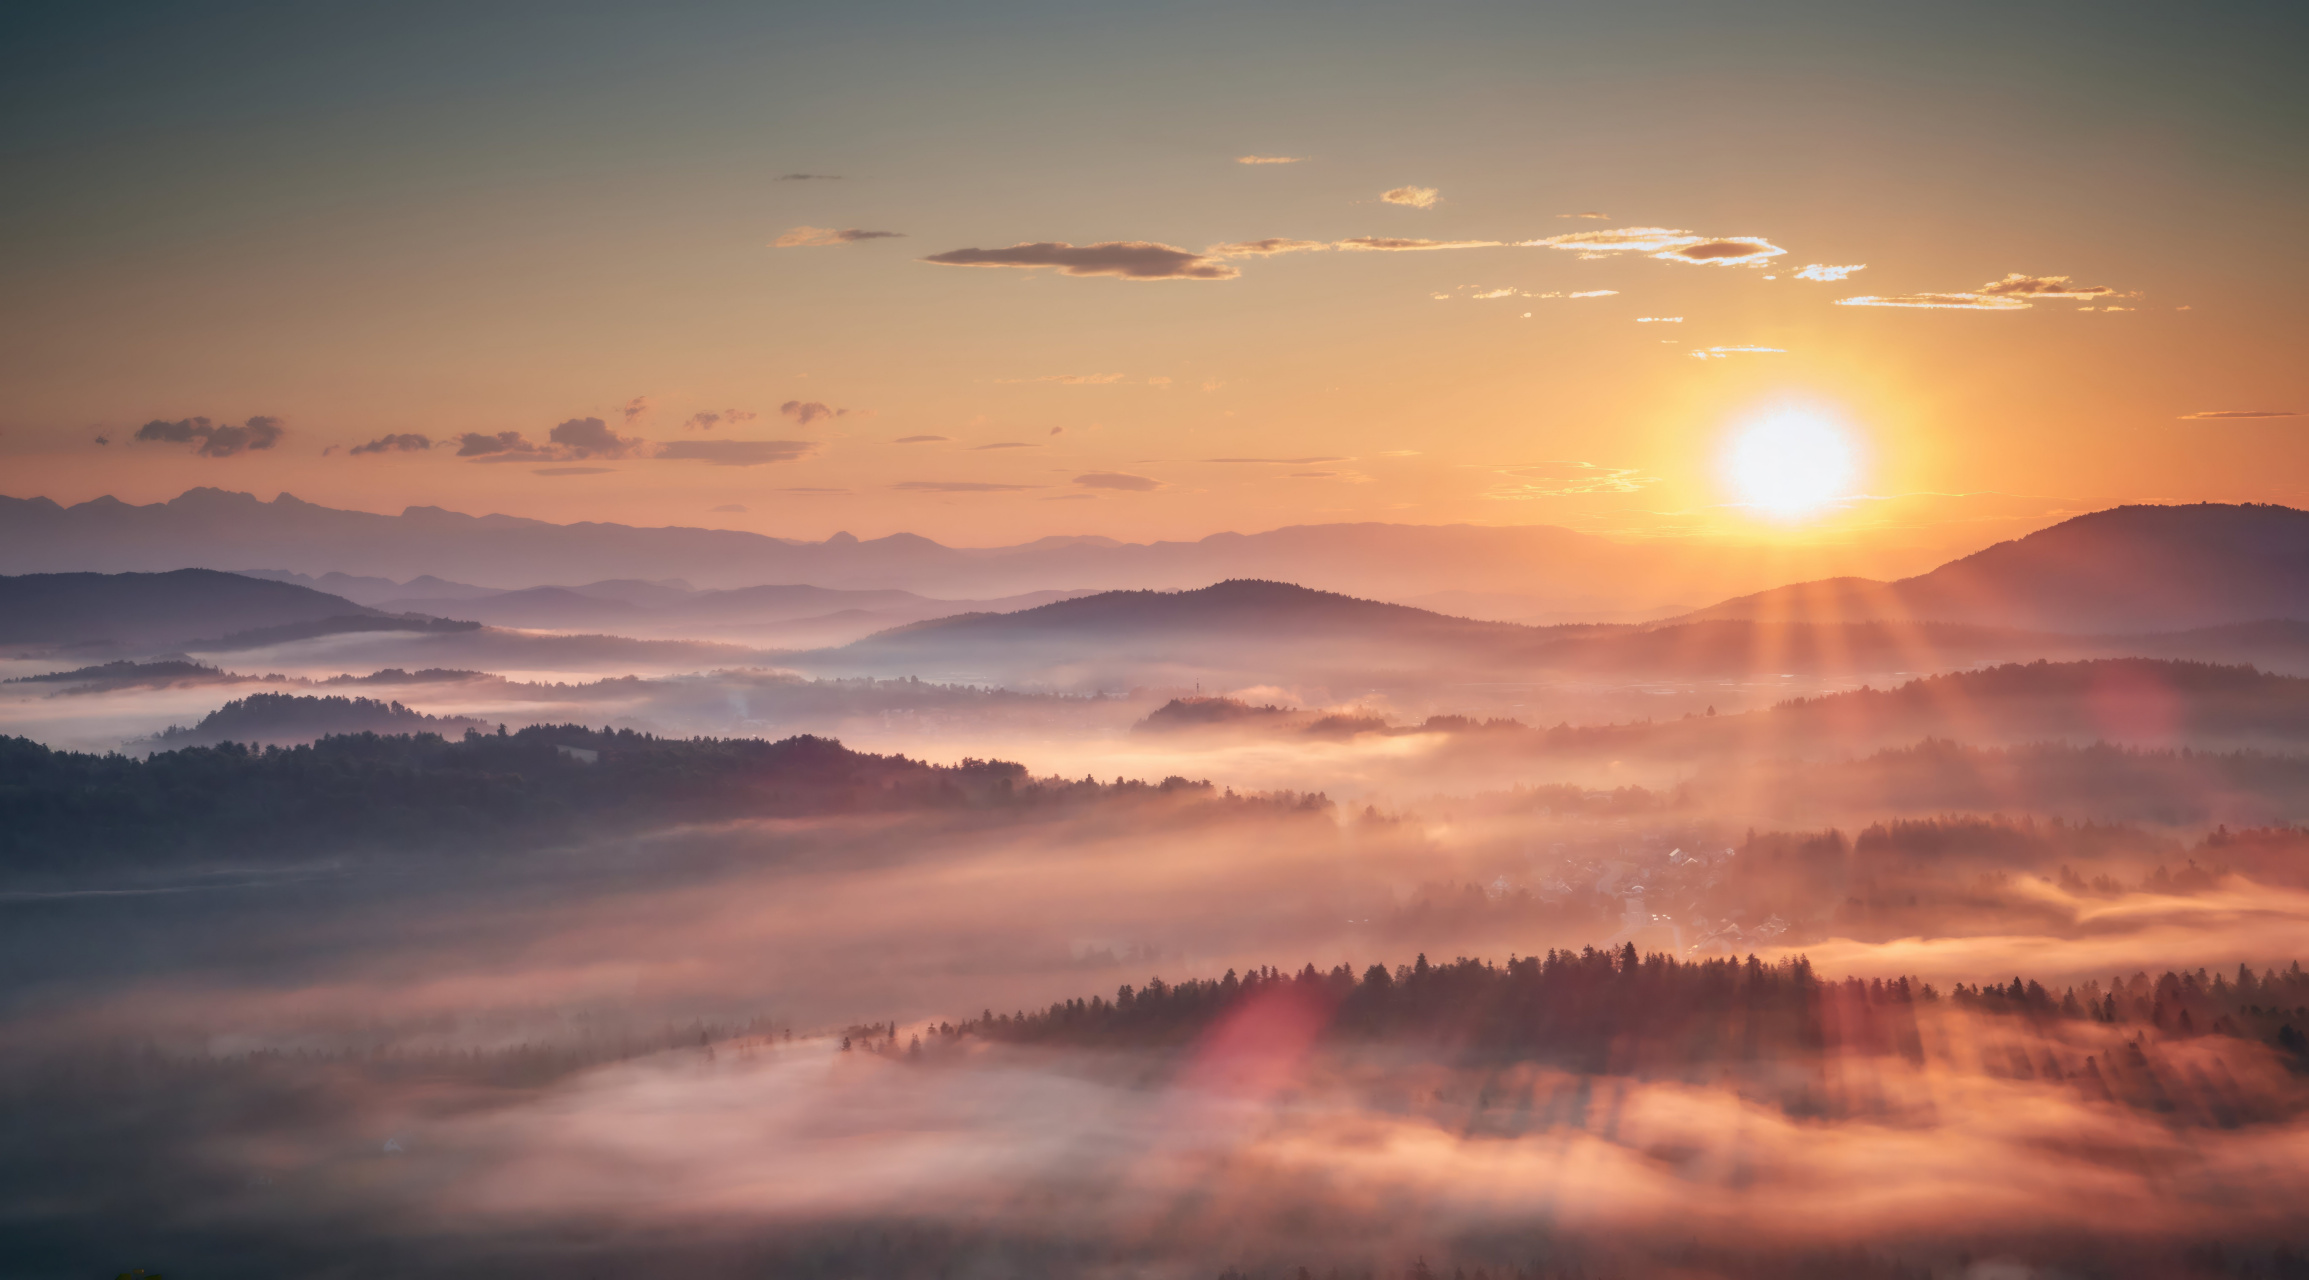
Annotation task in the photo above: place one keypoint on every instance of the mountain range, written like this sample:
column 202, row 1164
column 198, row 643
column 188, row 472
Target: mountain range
column 1524, row 571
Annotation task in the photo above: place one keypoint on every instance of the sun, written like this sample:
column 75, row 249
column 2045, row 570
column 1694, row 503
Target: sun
column 1791, row 463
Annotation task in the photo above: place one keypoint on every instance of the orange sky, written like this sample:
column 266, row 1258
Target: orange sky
column 472, row 228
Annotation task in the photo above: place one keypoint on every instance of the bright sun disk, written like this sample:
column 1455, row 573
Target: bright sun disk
column 1790, row 464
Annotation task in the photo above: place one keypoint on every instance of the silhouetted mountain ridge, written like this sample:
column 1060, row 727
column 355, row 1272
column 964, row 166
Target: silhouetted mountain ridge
column 2126, row 569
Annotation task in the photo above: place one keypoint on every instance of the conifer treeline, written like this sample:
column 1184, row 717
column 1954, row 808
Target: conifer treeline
column 1617, row 1011
column 63, row 810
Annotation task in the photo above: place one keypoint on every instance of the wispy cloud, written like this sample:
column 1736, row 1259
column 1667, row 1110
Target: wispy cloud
column 959, row 486
column 813, row 237
column 1264, row 248
column 1667, row 245
column 1281, row 462
column 735, row 453
column 1565, row 479
column 1583, row 215
column 1118, row 480
column 1072, row 379
column 920, row 439
column 730, row 508
column 1125, row 259
column 1005, row 444
column 2202, row 415
column 573, row 471
column 214, row 440
column 806, row 412
column 1399, row 244
column 1659, row 319
column 1269, row 159
column 1415, row 197
column 1937, row 302
column 809, row 177
column 2017, row 285
column 399, row 442
column 635, row 408
column 1822, row 271
column 1726, row 353
column 2016, row 292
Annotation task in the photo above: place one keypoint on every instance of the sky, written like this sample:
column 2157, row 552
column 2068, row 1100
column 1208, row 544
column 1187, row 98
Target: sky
column 1904, row 281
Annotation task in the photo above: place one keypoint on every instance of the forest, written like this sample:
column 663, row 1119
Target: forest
column 1617, row 1012
column 409, row 793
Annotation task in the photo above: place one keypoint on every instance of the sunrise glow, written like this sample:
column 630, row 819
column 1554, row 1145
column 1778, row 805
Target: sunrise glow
column 1791, row 463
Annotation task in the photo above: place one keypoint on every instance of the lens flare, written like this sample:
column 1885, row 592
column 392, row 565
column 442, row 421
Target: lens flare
column 1791, row 463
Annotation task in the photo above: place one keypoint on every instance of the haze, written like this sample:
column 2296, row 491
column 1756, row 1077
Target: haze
column 1248, row 644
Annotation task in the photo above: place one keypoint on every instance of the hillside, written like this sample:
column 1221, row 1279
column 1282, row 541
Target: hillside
column 264, row 719
column 155, row 609
column 2123, row 570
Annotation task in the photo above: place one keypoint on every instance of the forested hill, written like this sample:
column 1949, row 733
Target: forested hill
column 65, row 812
column 1616, row 1012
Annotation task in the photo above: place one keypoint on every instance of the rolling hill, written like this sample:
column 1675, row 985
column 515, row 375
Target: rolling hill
column 2124, row 570
column 149, row 610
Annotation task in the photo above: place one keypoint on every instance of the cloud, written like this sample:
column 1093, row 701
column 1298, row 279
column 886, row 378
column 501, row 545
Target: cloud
column 1725, row 353
column 209, row 440
column 572, row 471
column 399, row 442
column 634, row 408
column 1264, row 248
column 1735, row 251
column 1117, row 480
column 920, row 439
column 1667, row 244
column 736, row 416
column 1659, row 319
column 703, row 421
column 730, row 508
column 810, row 488
column 814, row 237
column 1127, row 259
column 1594, row 293
column 571, row 440
column 1269, row 159
column 1566, row 479
column 1822, row 271
column 808, row 177
column 1937, row 302
column 2204, row 414
column 102, row 440
column 1622, row 240
column 1007, row 444
column 1058, row 430
column 591, row 438
column 1280, row 462
column 2016, row 285
column 1071, row 379
column 806, row 412
column 959, row 486
column 474, row 444
column 1398, row 244
column 1583, row 215
column 735, row 453
column 2016, row 292
column 1415, row 197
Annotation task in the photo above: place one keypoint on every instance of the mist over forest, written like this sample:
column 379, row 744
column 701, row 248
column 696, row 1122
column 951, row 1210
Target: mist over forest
column 1279, row 641
column 1243, row 930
